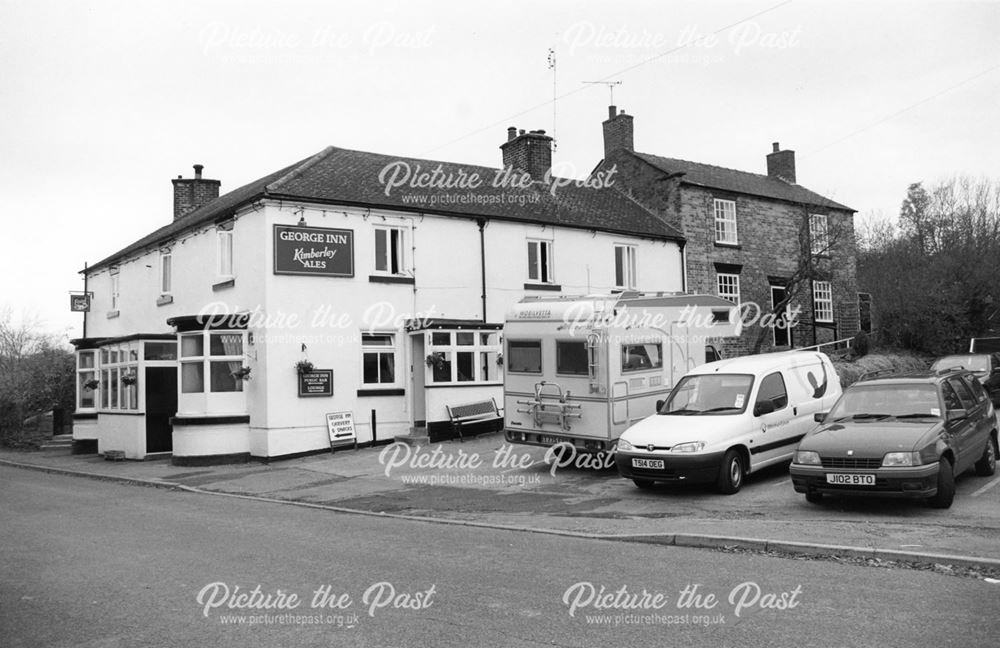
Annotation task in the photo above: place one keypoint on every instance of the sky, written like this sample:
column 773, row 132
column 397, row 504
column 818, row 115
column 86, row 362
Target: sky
column 104, row 102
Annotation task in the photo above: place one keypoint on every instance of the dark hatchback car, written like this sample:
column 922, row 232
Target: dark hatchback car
column 985, row 366
column 907, row 435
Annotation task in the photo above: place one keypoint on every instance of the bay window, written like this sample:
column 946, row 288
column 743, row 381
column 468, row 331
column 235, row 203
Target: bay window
column 463, row 356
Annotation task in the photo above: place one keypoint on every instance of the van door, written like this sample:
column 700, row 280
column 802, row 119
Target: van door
column 774, row 436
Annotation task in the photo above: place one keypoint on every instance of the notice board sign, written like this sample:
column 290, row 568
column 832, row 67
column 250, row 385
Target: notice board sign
column 320, row 251
column 340, row 427
column 318, row 382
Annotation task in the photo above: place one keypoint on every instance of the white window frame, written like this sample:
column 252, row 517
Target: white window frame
column 483, row 352
column 225, row 252
column 390, row 349
column 823, row 301
column 85, row 374
column 540, row 261
column 205, row 400
column 166, row 272
column 819, row 233
column 398, row 250
column 117, row 361
column 725, row 221
column 115, row 287
column 628, row 266
column 727, row 286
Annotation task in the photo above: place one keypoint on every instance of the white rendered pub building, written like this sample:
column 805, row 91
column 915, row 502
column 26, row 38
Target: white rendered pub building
column 348, row 282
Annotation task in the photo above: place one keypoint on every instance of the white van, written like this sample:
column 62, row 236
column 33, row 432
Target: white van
column 727, row 419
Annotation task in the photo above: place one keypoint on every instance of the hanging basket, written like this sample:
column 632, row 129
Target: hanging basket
column 243, row 373
column 303, row 367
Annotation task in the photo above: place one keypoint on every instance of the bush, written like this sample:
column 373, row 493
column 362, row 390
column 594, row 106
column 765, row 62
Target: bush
column 850, row 372
column 860, row 344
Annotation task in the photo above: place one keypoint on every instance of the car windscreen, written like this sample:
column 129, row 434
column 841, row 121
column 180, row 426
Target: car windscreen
column 972, row 362
column 709, row 394
column 862, row 402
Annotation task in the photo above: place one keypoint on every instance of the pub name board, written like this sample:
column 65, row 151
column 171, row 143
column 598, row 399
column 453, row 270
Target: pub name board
column 322, row 251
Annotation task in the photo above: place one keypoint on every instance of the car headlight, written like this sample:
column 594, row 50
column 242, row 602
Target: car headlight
column 807, row 457
column 901, row 459
column 690, row 446
column 624, row 445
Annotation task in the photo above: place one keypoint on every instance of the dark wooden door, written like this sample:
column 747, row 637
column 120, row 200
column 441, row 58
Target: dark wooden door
column 161, row 405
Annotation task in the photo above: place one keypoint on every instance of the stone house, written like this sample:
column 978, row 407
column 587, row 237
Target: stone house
column 752, row 238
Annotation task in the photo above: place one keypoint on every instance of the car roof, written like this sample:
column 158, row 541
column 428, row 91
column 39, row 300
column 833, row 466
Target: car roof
column 914, row 377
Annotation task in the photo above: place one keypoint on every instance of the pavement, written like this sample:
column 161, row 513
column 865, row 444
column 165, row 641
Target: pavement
column 489, row 483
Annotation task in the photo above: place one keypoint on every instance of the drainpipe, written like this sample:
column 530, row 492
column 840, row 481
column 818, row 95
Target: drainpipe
column 482, row 262
column 86, row 276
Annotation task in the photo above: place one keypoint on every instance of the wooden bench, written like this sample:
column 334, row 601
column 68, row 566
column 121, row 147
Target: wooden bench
column 477, row 412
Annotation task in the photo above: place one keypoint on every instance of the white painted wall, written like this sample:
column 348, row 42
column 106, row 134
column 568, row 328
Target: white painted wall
column 122, row 432
column 328, row 314
column 201, row 440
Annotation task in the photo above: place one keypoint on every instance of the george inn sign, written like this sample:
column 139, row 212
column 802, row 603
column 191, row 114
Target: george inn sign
column 322, row 251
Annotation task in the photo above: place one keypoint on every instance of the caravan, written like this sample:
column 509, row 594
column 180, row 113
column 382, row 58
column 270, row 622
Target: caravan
column 580, row 370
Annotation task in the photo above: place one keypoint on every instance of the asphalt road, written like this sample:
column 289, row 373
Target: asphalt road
column 90, row 563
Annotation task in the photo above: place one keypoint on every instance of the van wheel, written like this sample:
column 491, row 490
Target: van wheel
column 644, row 484
column 946, row 486
column 987, row 464
column 731, row 473
column 814, row 498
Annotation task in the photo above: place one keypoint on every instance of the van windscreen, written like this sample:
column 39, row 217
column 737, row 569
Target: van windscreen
column 709, row 394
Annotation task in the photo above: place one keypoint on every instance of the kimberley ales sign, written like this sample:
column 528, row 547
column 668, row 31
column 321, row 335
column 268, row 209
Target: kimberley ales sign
column 322, row 251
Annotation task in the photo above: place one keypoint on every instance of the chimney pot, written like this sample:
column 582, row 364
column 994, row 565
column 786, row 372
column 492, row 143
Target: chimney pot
column 530, row 153
column 520, row 132
column 618, row 133
column 511, row 133
column 781, row 164
column 192, row 193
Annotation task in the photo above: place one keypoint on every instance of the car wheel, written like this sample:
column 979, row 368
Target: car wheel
column 814, row 498
column 987, row 464
column 946, row 486
column 644, row 484
column 731, row 473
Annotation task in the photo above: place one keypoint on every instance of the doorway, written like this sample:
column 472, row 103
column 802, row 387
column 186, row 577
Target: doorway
column 782, row 333
column 161, row 406
column 419, row 406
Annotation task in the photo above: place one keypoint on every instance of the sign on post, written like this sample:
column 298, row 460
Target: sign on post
column 320, row 251
column 79, row 303
column 340, row 427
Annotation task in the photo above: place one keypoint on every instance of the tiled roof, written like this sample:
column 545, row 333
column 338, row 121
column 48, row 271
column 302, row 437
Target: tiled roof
column 219, row 208
column 343, row 176
column 743, row 182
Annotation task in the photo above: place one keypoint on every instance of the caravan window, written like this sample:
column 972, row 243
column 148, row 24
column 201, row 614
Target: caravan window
column 571, row 358
column 641, row 357
column 525, row 356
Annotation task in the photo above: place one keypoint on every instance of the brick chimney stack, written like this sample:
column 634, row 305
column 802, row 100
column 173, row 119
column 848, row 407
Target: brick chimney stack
column 529, row 152
column 781, row 164
column 618, row 132
column 192, row 193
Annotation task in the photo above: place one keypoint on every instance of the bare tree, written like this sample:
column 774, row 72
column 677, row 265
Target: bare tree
column 815, row 253
column 36, row 373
